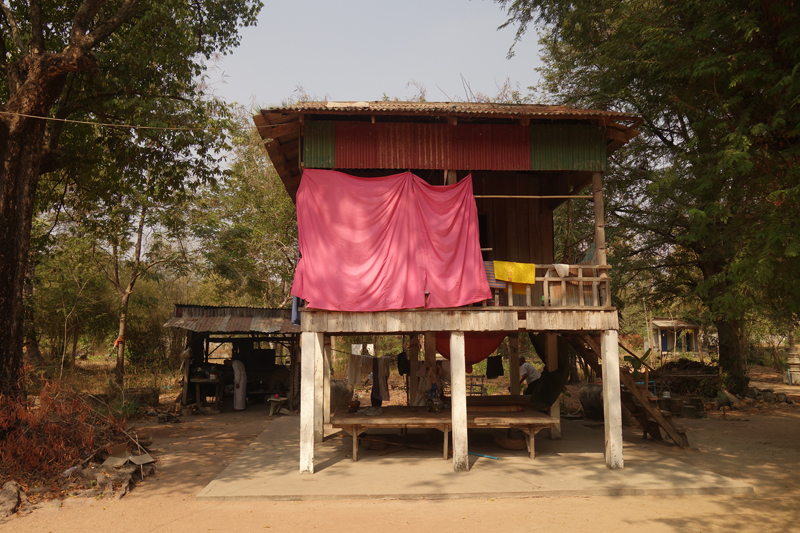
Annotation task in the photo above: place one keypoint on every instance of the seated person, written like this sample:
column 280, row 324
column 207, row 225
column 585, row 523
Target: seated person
column 527, row 374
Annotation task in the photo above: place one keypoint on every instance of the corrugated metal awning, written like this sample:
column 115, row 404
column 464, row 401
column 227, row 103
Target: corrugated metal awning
column 206, row 319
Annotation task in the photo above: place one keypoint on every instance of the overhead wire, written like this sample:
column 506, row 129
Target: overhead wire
column 108, row 125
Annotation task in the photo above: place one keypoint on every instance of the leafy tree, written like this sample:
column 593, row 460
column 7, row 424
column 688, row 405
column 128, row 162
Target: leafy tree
column 709, row 192
column 249, row 227
column 119, row 61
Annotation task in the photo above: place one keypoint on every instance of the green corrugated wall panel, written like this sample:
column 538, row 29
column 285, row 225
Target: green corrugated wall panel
column 567, row 147
column 319, row 145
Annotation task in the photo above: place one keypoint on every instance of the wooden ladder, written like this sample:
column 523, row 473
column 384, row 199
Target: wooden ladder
column 646, row 412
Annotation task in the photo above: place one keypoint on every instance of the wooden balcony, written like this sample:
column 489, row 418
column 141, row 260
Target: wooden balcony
column 577, row 301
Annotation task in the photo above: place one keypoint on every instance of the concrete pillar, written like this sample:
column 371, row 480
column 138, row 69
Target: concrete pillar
column 319, row 390
column 326, row 382
column 612, row 405
column 310, row 350
column 458, row 399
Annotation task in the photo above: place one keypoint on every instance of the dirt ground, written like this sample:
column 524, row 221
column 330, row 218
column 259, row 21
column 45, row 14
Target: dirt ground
column 760, row 447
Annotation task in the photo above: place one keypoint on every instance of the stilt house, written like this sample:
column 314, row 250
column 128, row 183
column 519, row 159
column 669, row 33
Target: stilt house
column 523, row 161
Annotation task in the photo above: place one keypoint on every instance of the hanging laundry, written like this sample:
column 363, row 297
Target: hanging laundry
column 518, row 274
column 494, row 367
column 403, row 364
column 359, row 236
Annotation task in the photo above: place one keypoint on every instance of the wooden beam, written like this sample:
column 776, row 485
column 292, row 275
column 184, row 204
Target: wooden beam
column 461, row 319
column 612, row 404
column 458, row 399
column 311, row 344
column 513, row 362
column 273, row 132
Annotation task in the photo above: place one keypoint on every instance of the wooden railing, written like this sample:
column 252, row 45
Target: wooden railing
column 585, row 286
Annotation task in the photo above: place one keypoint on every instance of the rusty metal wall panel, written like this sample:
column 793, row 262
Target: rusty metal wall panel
column 567, row 147
column 432, row 146
column 319, row 144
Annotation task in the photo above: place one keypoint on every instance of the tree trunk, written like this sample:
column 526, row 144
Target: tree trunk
column 33, row 354
column 119, row 373
column 76, row 332
column 21, row 143
column 731, row 355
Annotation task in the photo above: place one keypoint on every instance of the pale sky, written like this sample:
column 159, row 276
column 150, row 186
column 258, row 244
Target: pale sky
column 361, row 49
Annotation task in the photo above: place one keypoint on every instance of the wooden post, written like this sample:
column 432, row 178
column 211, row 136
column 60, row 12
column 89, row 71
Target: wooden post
column 555, row 412
column 612, row 405
column 599, row 221
column 319, row 391
column 450, row 177
column 458, row 398
column 326, row 382
column 513, row 362
column 413, row 359
column 430, row 356
column 551, row 350
column 311, row 345
column 600, row 234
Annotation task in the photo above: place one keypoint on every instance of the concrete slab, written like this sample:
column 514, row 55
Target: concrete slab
column 573, row 466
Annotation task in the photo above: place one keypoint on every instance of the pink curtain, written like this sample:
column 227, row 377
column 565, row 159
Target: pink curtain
column 374, row 244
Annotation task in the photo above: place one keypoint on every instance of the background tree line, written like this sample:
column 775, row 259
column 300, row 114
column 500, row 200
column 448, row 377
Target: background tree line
column 116, row 224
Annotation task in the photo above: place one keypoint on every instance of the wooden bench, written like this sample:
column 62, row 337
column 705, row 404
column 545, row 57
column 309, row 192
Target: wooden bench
column 528, row 421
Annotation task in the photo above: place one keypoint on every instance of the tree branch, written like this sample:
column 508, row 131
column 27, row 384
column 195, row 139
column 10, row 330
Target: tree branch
column 109, row 26
column 37, row 33
column 15, row 34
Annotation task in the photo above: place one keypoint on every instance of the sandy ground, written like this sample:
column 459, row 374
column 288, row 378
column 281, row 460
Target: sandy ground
column 760, row 447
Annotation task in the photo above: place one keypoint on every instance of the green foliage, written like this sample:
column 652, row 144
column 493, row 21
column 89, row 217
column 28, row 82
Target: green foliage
column 704, row 203
column 249, row 227
column 637, row 363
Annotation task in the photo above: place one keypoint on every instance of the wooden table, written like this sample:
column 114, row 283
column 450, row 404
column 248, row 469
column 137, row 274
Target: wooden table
column 217, row 383
column 528, row 421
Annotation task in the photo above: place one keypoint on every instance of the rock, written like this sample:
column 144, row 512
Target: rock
column 759, row 396
column 752, row 392
column 769, row 396
column 10, row 498
column 732, row 401
column 780, row 397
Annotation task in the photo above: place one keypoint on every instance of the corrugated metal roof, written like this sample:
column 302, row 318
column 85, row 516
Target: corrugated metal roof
column 670, row 323
column 208, row 319
column 471, row 108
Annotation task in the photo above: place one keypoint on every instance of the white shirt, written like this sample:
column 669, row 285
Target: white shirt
column 530, row 373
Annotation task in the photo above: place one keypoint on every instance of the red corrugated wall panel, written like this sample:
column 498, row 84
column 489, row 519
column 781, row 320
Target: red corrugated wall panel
column 432, row 146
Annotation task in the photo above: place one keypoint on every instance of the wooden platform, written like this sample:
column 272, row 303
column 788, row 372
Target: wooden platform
column 462, row 319
column 528, row 421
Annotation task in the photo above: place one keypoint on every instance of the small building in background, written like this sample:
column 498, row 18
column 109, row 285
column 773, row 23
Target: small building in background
column 673, row 335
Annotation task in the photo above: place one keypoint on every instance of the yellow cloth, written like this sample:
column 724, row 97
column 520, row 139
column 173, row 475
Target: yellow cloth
column 519, row 274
